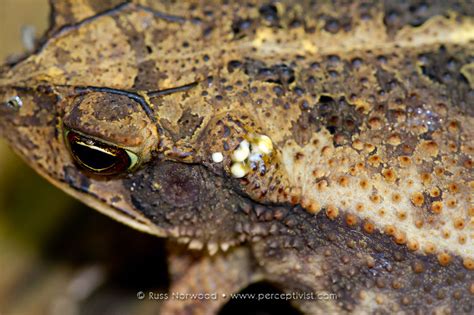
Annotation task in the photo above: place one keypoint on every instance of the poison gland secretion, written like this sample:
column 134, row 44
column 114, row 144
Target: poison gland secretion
column 252, row 154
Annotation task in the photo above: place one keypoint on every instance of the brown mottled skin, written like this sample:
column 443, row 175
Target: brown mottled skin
column 368, row 192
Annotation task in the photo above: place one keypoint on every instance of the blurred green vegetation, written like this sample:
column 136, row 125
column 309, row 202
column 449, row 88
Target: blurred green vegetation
column 29, row 206
column 14, row 16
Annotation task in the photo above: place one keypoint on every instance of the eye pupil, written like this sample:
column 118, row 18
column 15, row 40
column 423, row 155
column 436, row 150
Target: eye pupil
column 95, row 159
column 96, row 156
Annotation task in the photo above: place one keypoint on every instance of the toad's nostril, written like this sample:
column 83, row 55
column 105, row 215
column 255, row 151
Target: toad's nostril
column 14, row 102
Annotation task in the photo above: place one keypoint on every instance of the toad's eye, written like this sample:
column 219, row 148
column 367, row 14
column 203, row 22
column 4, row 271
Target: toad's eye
column 99, row 157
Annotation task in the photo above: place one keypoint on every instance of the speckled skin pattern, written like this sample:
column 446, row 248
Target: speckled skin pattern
column 368, row 192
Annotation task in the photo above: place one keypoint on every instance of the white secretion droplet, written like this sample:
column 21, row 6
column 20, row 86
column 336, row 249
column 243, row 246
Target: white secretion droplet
column 238, row 170
column 242, row 152
column 217, row 157
column 255, row 157
column 264, row 144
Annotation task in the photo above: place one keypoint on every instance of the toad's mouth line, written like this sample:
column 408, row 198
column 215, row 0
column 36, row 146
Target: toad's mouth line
column 96, row 202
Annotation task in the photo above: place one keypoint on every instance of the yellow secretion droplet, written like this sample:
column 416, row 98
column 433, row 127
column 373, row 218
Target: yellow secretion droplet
column 249, row 155
column 264, row 144
column 242, row 152
column 239, row 170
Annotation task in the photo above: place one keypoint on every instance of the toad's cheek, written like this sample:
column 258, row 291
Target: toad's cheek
column 166, row 185
column 188, row 202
